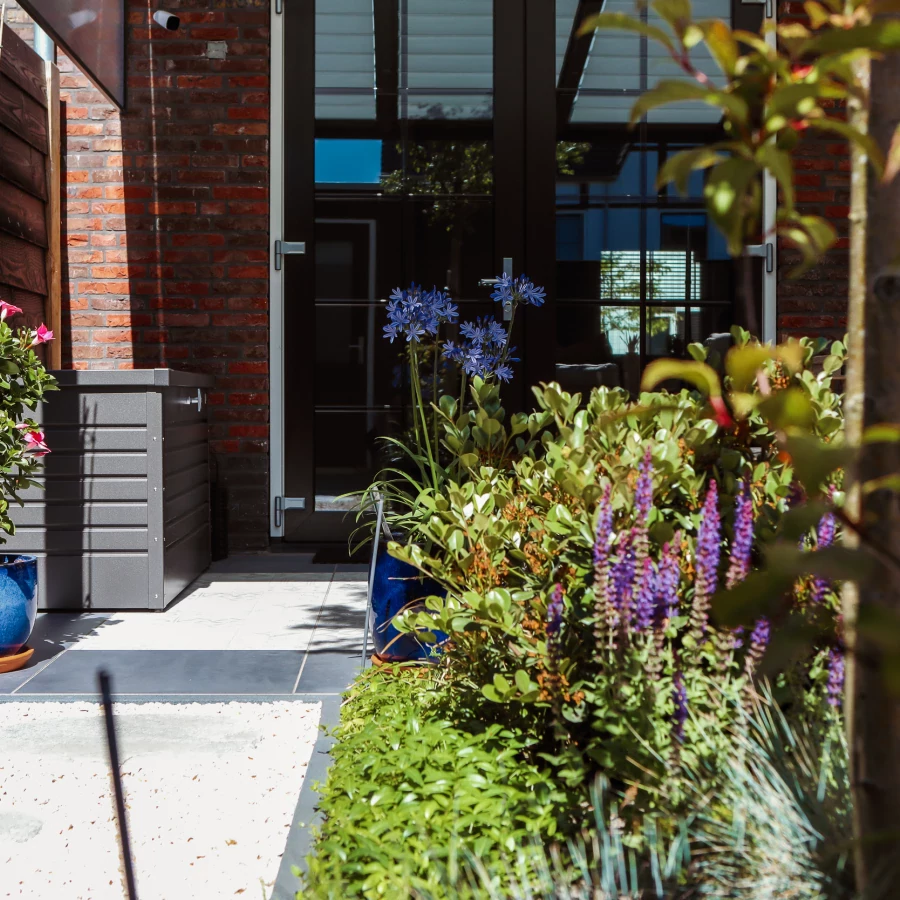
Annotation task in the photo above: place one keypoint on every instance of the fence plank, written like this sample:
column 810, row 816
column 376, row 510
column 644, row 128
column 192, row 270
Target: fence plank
column 22, row 214
column 22, row 65
column 22, row 265
column 53, row 309
column 21, row 164
column 23, row 114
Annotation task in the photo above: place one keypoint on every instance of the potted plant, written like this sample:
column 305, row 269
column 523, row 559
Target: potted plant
column 23, row 382
column 402, row 493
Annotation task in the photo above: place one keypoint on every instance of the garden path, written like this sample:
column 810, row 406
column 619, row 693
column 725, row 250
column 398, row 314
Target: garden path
column 219, row 699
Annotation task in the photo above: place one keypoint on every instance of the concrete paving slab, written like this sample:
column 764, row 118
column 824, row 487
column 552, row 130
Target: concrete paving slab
column 170, row 672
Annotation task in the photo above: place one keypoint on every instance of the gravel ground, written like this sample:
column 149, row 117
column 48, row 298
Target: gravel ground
column 210, row 788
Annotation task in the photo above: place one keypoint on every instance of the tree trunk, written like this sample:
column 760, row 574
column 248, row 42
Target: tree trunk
column 873, row 396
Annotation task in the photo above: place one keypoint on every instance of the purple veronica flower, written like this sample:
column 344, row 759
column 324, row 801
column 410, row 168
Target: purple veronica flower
column 623, row 578
column 555, row 611
column 824, row 538
column 759, row 640
column 741, row 546
column 602, row 535
column 668, row 579
column 605, row 615
column 737, row 637
column 679, row 695
column 835, row 686
column 643, row 604
column 706, row 561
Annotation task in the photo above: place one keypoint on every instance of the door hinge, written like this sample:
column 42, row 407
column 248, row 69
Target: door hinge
column 282, row 248
column 765, row 251
column 277, row 7
column 282, row 504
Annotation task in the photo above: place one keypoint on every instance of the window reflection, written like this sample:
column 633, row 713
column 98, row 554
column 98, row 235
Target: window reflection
column 637, row 269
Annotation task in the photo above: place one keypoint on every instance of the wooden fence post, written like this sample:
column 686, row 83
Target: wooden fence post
column 53, row 310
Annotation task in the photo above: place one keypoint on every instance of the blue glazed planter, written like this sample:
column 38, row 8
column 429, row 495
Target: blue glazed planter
column 397, row 587
column 18, row 601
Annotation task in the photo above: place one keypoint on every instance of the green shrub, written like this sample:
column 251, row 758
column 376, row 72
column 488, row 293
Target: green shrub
column 409, row 794
column 568, row 637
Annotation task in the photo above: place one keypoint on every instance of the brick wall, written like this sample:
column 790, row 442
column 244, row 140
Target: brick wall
column 166, row 228
column 816, row 303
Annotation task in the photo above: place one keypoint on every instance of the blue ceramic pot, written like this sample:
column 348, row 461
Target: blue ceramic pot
column 397, row 587
column 18, row 601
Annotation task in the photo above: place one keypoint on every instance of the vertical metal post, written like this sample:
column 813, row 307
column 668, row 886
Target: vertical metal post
column 770, row 203
column 43, row 44
column 103, row 680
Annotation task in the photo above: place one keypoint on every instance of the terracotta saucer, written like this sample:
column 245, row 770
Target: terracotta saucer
column 16, row 660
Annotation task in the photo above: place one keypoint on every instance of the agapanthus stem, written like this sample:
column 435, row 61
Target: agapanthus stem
column 421, row 408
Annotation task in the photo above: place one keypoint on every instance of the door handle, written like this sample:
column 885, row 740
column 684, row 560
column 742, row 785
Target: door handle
column 490, row 282
column 360, row 348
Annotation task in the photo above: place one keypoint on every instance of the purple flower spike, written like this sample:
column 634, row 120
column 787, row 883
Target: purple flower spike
column 824, row 538
column 759, row 640
column 707, row 561
column 623, row 578
column 668, row 579
column 555, row 611
column 605, row 615
column 679, row 695
column 602, row 536
column 644, row 605
column 741, row 546
column 835, row 687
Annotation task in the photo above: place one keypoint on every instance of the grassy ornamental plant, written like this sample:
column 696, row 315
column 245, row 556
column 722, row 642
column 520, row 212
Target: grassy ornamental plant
column 23, row 383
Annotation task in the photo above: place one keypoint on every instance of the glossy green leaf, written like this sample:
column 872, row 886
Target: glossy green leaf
column 700, row 375
column 623, row 22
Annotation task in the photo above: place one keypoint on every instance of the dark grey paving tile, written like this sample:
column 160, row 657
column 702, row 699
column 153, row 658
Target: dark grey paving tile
column 351, row 572
column 266, row 563
column 326, row 671
column 171, row 672
column 53, row 632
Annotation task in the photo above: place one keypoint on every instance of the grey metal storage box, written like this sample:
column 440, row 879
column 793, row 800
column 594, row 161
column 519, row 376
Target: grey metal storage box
column 123, row 521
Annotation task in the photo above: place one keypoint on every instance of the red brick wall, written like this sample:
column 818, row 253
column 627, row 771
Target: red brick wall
column 816, row 303
column 166, row 225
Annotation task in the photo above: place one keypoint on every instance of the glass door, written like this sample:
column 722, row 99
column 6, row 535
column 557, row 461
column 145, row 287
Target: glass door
column 430, row 140
column 399, row 166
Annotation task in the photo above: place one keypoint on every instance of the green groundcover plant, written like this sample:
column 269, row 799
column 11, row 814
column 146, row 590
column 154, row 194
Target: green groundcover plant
column 417, row 807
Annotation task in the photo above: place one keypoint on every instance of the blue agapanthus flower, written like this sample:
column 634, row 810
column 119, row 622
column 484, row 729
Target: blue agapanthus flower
column 511, row 291
column 483, row 351
column 415, row 314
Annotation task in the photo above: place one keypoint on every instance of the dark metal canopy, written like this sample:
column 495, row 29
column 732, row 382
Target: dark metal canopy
column 92, row 34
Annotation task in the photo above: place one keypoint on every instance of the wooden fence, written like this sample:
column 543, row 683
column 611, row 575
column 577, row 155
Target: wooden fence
column 30, row 251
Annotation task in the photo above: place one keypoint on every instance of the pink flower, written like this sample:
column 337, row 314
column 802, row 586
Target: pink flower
column 42, row 335
column 7, row 309
column 35, row 443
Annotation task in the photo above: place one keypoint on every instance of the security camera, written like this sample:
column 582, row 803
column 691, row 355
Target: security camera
column 168, row 20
